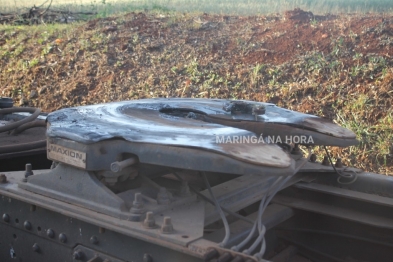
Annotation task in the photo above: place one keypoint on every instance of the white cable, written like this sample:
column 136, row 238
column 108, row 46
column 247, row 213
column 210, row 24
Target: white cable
column 251, row 234
column 222, row 215
column 262, row 229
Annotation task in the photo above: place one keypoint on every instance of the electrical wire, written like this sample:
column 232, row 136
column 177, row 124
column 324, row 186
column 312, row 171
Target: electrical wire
column 257, row 225
column 34, row 114
column 353, row 177
column 212, row 202
column 222, row 215
column 21, row 125
column 252, row 232
column 262, row 231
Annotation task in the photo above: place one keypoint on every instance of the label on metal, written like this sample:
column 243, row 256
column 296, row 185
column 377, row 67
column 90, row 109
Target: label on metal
column 66, row 155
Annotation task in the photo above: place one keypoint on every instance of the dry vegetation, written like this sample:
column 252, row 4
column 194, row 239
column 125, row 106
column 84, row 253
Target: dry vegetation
column 339, row 67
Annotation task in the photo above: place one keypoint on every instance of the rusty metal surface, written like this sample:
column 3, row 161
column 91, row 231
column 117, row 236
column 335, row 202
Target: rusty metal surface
column 197, row 123
column 273, row 216
column 338, row 202
column 179, row 240
column 100, row 155
column 134, row 229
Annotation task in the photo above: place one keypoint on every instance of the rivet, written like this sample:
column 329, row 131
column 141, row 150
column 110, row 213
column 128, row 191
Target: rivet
column 62, row 238
column 50, row 233
column 78, row 255
column 36, row 247
column 147, row 258
column 27, row 225
column 94, row 240
column 6, row 218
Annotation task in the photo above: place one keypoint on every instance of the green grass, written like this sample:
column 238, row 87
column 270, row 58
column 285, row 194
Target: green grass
column 239, row 7
column 323, row 83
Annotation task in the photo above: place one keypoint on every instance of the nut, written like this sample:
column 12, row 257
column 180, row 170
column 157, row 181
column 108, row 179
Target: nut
column 167, row 226
column 149, row 222
column 325, row 161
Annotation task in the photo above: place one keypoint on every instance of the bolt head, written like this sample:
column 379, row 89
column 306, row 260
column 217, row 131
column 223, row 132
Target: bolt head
column 62, row 238
column 50, row 233
column 78, row 255
column 147, row 258
column 94, row 240
column 36, row 247
column 6, row 218
column 27, row 225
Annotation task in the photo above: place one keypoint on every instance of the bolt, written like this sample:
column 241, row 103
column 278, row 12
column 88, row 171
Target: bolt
column 3, row 178
column 138, row 201
column 167, row 226
column 225, row 257
column 313, row 158
column 147, row 258
column 50, row 233
column 27, row 225
column 339, row 163
column 325, row 161
column 36, row 247
column 29, row 171
column 163, row 197
column 6, row 218
column 94, row 240
column 210, row 254
column 62, row 238
column 149, row 221
column 238, row 259
column 184, row 189
column 78, row 255
column 137, row 208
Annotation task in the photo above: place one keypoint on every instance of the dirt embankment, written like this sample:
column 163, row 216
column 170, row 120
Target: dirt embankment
column 338, row 67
